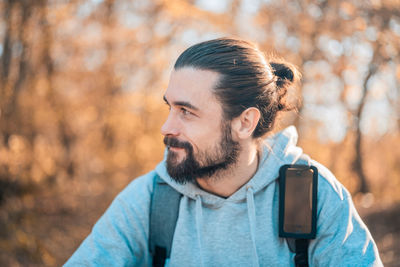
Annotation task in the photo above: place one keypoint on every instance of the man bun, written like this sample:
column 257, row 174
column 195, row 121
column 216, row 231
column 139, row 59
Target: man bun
column 284, row 72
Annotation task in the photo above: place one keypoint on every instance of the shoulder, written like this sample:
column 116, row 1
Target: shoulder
column 120, row 236
column 340, row 226
column 139, row 187
column 334, row 200
column 329, row 184
column 329, row 187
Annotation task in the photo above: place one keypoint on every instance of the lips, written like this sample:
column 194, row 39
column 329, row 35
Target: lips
column 175, row 148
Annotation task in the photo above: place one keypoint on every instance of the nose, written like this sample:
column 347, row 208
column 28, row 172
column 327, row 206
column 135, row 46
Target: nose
column 170, row 126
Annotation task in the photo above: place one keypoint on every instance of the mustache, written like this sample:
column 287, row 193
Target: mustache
column 174, row 142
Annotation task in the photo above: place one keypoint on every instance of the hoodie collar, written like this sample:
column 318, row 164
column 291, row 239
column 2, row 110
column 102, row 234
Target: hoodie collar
column 277, row 150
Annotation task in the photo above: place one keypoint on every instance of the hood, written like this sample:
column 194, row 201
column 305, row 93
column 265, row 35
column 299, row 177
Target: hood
column 277, row 150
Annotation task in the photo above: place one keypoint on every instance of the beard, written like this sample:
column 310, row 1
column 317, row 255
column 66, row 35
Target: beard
column 205, row 163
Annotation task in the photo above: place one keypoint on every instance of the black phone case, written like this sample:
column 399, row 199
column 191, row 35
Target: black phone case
column 282, row 186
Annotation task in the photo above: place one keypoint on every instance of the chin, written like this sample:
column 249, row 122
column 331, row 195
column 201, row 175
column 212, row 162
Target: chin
column 175, row 157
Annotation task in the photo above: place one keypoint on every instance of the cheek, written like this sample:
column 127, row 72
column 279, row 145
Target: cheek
column 205, row 139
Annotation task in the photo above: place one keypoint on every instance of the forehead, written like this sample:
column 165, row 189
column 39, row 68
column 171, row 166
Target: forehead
column 194, row 86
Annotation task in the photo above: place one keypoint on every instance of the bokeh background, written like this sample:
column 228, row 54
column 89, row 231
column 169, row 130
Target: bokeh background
column 81, row 85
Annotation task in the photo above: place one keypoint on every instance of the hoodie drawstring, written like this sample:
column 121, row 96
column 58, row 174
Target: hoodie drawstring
column 199, row 219
column 251, row 213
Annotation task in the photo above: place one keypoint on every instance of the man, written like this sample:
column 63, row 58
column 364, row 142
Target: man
column 223, row 97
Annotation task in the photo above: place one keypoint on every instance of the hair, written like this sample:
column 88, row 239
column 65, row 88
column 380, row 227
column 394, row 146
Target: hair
column 247, row 78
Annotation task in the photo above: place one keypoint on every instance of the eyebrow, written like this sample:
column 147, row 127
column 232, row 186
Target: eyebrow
column 182, row 103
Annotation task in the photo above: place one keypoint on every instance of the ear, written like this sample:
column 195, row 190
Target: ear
column 244, row 125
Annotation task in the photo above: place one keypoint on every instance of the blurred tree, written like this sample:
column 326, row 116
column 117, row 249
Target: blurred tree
column 81, row 86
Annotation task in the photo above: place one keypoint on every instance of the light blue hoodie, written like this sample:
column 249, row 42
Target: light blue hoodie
column 241, row 230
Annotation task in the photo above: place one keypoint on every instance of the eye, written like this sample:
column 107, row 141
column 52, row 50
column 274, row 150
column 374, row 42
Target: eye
column 186, row 112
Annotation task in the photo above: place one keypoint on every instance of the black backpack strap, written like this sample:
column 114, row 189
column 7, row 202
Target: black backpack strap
column 164, row 210
column 301, row 258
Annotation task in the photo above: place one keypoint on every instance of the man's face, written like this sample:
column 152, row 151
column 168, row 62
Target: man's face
column 199, row 142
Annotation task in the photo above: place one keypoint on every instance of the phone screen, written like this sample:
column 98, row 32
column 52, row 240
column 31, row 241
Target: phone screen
column 298, row 200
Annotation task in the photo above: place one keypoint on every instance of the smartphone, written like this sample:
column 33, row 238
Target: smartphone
column 298, row 201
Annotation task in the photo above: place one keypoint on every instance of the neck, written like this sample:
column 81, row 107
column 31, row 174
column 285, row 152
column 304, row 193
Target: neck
column 227, row 182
